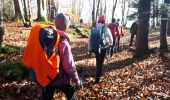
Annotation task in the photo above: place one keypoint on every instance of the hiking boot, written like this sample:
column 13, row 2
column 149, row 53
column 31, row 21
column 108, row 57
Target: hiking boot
column 98, row 80
column 130, row 44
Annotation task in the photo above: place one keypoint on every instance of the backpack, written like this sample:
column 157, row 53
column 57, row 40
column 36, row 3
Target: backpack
column 42, row 59
column 98, row 39
column 133, row 28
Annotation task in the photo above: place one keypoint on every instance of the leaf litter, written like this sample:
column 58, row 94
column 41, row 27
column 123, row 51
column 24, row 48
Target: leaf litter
column 123, row 76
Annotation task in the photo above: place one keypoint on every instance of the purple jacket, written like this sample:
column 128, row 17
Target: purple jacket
column 68, row 71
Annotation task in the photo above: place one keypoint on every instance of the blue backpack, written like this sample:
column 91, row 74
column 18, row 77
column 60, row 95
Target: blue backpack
column 98, row 39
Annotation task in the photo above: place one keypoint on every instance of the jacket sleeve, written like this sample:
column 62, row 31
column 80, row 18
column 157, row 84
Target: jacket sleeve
column 68, row 61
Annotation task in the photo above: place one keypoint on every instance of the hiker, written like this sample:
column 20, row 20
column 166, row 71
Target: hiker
column 81, row 22
column 120, row 34
column 117, row 32
column 100, row 39
column 67, row 75
column 133, row 31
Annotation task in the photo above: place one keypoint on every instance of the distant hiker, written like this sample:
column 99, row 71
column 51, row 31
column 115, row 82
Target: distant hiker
column 49, row 59
column 81, row 22
column 100, row 40
column 117, row 32
column 120, row 34
column 133, row 31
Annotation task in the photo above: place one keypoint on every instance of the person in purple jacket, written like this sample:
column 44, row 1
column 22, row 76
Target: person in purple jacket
column 67, row 74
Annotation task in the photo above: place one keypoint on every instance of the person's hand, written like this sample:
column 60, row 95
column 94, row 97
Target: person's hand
column 89, row 53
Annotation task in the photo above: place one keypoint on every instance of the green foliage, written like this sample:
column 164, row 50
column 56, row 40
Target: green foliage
column 6, row 49
column 80, row 69
column 73, row 26
column 13, row 71
column 2, row 57
column 82, row 32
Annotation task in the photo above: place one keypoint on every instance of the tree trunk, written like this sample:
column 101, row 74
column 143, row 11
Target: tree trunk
column 1, row 29
column 143, row 24
column 93, row 14
column 101, row 8
column 80, row 6
column 56, row 6
column 157, row 16
column 73, row 20
column 22, row 10
column 168, row 28
column 105, row 8
column 127, row 13
column 42, row 10
column 163, row 32
column 49, row 9
column 123, row 11
column 39, row 9
column 29, row 10
column 27, row 13
column 97, row 12
column 17, row 9
column 114, row 7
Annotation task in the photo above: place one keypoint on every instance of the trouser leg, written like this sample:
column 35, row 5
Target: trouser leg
column 48, row 92
column 118, row 42
column 99, row 63
column 69, row 91
column 131, row 38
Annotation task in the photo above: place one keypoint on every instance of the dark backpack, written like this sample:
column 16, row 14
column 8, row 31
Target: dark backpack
column 133, row 28
column 98, row 39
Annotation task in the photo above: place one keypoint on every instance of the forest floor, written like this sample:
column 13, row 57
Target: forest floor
column 124, row 77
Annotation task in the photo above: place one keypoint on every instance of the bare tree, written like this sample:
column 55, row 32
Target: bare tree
column 52, row 8
column 105, row 8
column 1, row 28
column 168, row 28
column 93, row 14
column 102, row 7
column 163, row 31
column 97, row 9
column 22, row 10
column 143, row 24
column 80, row 7
column 114, row 7
column 26, row 13
column 42, row 10
column 154, row 12
column 123, row 10
column 17, row 9
column 127, row 13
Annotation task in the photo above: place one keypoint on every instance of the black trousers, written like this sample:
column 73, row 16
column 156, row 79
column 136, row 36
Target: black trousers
column 131, row 38
column 99, row 62
column 68, row 90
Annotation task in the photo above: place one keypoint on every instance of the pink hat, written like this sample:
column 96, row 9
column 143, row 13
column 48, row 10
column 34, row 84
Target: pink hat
column 101, row 19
